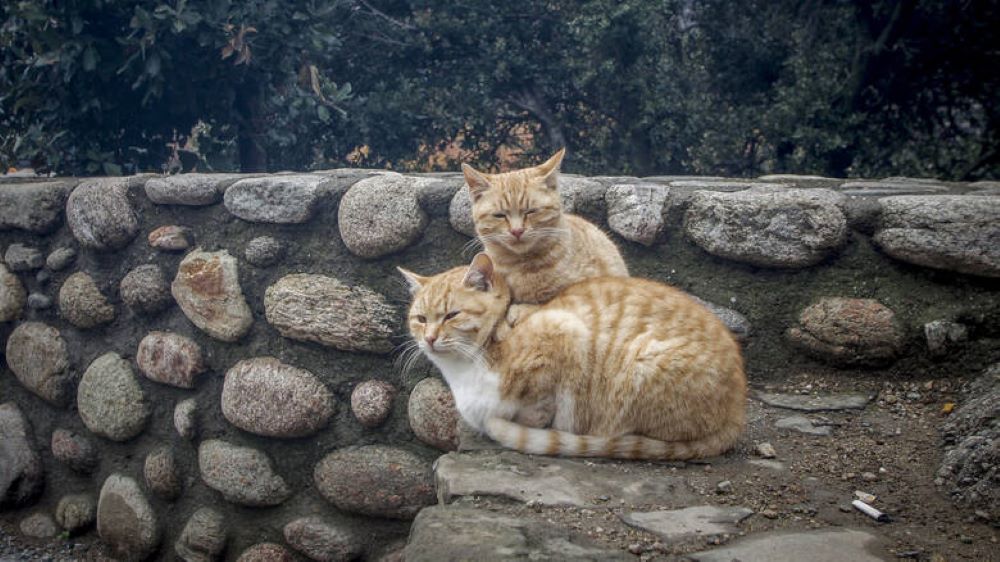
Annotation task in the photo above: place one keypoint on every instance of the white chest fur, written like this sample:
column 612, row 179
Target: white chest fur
column 476, row 389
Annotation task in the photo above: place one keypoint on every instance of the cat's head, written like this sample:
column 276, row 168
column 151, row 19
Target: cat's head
column 517, row 210
column 456, row 312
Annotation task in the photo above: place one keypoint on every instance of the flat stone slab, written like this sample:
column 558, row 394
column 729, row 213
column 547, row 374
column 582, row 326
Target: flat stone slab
column 812, row 403
column 551, row 481
column 696, row 521
column 824, row 545
column 802, row 424
column 446, row 533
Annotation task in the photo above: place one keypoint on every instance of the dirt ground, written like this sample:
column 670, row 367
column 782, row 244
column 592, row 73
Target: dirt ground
column 889, row 449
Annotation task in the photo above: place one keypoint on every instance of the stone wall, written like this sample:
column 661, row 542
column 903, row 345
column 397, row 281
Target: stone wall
column 204, row 362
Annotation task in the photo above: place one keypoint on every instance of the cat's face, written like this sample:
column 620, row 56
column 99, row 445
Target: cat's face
column 455, row 312
column 517, row 210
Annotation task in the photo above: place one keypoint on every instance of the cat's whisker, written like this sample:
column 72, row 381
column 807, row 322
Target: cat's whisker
column 473, row 245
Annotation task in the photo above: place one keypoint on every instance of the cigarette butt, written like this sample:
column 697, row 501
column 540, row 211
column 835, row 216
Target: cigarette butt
column 947, row 408
column 864, row 496
column 870, row 511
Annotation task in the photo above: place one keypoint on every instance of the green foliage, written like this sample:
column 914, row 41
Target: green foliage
column 835, row 87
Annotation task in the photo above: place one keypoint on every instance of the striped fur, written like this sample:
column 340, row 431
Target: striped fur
column 611, row 367
column 555, row 250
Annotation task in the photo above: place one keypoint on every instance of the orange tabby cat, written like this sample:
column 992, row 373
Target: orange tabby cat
column 536, row 247
column 612, row 367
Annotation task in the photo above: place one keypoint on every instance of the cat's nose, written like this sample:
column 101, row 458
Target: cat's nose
column 517, row 232
column 430, row 340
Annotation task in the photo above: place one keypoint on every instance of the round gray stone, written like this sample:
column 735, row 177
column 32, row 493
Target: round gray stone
column 944, row 335
column 264, row 251
column 100, row 215
column 848, row 332
column 75, row 450
column 12, row 295
column 23, row 258
column 736, row 322
column 162, row 474
column 243, row 475
column 35, row 207
column 145, row 290
column 38, row 301
column 266, row 552
column 635, row 211
column 203, row 538
column 169, row 358
column 110, row 401
column 37, row 355
column 460, row 212
column 324, row 310
column 207, row 288
column 125, row 520
column 381, row 215
column 951, row 232
column 186, row 418
column 282, row 199
column 322, row 540
column 171, row 238
column 60, row 258
column 189, row 189
column 433, row 415
column 21, row 472
column 82, row 304
column 769, row 226
column 76, row 512
column 371, row 402
column 253, row 387
column 376, row 480
column 39, row 526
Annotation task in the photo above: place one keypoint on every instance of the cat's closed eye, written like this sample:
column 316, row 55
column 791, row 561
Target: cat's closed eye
column 529, row 211
column 421, row 318
column 451, row 314
column 499, row 215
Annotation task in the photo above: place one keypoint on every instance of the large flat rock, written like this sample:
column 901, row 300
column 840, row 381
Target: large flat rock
column 696, row 521
column 551, row 481
column 446, row 533
column 825, row 545
column 815, row 403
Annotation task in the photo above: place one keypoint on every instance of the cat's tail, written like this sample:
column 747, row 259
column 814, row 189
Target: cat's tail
column 554, row 442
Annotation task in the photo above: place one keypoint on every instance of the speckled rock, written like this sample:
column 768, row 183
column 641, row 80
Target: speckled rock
column 371, row 402
column 12, row 295
column 264, row 251
column 848, row 332
column 35, row 207
column 186, row 418
column 322, row 540
column 76, row 512
column 100, row 215
column 171, row 238
column 189, row 189
column 21, row 470
column 433, row 415
column 162, row 474
column 75, row 450
column 736, row 322
column 942, row 336
column 207, row 288
column 254, row 386
column 951, row 232
column 635, row 211
column 242, row 474
column 376, row 480
column 39, row 526
column 460, row 212
column 145, row 290
column 767, row 226
column 125, row 520
column 110, row 401
column 324, row 310
column 381, row 215
column 891, row 186
column 283, row 199
column 266, row 552
column 582, row 196
column 60, row 258
column 82, row 304
column 37, row 355
column 23, row 258
column 203, row 538
column 169, row 358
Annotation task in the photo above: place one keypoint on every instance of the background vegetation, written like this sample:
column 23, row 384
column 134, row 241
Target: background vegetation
column 833, row 87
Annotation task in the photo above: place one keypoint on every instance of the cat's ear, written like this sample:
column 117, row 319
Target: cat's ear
column 480, row 274
column 413, row 280
column 478, row 183
column 549, row 170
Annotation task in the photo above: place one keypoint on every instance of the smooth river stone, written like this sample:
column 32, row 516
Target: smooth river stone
column 207, row 288
column 254, row 387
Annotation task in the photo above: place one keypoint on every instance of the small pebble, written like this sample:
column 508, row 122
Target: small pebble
column 39, row 301
column 636, row 548
column 724, row 487
column 770, row 514
column 869, row 476
column 766, row 450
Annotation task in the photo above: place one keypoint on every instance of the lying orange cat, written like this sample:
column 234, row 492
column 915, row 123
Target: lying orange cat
column 611, row 367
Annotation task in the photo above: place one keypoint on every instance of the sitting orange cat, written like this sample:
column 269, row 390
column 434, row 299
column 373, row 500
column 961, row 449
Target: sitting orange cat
column 612, row 366
column 536, row 247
